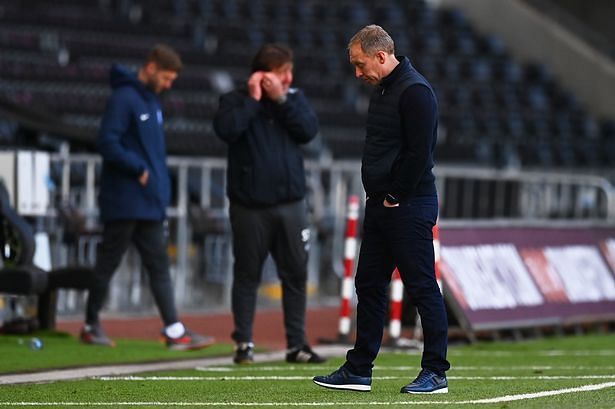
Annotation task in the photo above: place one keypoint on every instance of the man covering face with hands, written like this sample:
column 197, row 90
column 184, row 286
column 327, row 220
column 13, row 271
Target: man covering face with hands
column 264, row 125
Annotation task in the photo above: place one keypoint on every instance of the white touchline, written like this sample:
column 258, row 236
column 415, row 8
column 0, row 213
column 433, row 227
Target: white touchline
column 306, row 378
column 522, row 368
column 605, row 352
column 537, row 377
column 405, row 368
column 216, row 378
column 555, row 352
column 510, row 398
column 499, row 399
column 263, row 368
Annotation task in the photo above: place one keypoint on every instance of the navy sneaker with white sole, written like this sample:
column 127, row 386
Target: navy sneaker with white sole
column 344, row 379
column 427, row 382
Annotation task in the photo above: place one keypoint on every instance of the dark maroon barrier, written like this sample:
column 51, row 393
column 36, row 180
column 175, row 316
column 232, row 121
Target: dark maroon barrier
column 515, row 277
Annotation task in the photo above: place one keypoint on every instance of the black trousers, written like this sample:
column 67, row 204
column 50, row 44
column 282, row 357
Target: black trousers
column 399, row 236
column 281, row 230
column 149, row 238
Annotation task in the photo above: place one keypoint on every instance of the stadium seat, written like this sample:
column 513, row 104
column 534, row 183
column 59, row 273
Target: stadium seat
column 471, row 71
column 19, row 275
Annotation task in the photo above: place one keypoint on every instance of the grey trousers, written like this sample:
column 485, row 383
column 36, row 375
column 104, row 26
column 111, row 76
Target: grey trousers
column 150, row 241
column 281, row 230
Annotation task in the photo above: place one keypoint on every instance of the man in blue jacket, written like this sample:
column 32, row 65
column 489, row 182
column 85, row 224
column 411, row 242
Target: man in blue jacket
column 264, row 125
column 401, row 210
column 135, row 192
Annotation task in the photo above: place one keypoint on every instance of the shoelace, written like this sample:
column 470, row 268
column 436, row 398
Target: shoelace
column 424, row 376
column 340, row 371
column 345, row 373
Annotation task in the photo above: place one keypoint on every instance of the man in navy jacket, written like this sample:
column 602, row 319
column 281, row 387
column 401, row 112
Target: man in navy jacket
column 264, row 126
column 401, row 210
column 135, row 192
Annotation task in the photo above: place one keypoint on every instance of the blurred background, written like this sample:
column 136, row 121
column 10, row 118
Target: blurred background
column 525, row 152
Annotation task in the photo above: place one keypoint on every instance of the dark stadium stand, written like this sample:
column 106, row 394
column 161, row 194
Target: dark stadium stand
column 494, row 111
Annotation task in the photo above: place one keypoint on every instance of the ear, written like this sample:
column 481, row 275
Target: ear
column 151, row 68
column 381, row 56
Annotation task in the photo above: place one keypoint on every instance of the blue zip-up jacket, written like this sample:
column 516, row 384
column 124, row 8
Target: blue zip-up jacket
column 265, row 161
column 131, row 140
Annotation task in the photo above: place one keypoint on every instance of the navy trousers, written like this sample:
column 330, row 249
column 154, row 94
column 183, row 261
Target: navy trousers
column 398, row 237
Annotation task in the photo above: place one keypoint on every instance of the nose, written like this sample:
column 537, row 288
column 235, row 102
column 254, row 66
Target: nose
column 357, row 73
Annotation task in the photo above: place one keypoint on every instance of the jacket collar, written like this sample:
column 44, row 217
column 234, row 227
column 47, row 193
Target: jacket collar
column 121, row 76
column 402, row 67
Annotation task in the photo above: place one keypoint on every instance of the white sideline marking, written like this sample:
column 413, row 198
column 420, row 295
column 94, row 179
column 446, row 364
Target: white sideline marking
column 499, row 399
column 604, row 352
column 305, row 378
column 53, row 375
column 510, row 398
column 537, row 377
column 402, row 368
column 524, row 368
column 220, row 378
column 555, row 352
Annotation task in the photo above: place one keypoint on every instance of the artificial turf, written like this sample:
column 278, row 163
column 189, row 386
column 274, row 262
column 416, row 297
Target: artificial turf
column 479, row 371
column 61, row 350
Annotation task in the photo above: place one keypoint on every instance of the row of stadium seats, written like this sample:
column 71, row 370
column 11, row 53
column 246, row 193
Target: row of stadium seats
column 493, row 109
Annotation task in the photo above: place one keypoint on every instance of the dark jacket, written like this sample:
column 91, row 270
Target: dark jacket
column 401, row 136
column 131, row 140
column 265, row 161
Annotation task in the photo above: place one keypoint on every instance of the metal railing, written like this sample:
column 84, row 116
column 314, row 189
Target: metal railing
column 467, row 194
column 528, row 196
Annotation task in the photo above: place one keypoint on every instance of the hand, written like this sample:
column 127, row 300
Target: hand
column 387, row 204
column 273, row 86
column 254, row 85
column 144, row 178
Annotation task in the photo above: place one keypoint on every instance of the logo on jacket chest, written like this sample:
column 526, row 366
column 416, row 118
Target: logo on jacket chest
column 144, row 117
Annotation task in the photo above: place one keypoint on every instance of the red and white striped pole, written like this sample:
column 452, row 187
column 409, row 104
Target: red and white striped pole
column 397, row 296
column 397, row 293
column 436, row 250
column 350, row 252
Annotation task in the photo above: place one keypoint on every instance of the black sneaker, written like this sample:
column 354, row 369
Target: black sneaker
column 244, row 353
column 94, row 335
column 188, row 342
column 344, row 379
column 304, row 355
column 427, row 382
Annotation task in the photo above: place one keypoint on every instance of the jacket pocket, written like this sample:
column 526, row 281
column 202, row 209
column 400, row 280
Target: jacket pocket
column 151, row 188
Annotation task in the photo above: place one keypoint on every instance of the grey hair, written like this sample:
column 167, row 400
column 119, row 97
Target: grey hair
column 373, row 38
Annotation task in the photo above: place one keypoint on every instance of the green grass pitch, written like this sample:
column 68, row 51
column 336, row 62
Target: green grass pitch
column 561, row 372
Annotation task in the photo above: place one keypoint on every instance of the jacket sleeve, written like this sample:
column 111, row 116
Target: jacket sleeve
column 114, row 126
column 418, row 113
column 298, row 117
column 235, row 113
